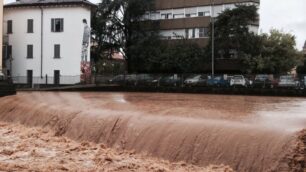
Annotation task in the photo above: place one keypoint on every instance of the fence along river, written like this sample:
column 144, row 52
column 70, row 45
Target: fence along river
column 246, row 133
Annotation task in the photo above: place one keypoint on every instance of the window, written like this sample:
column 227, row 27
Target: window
column 8, row 52
column 203, row 32
column 193, row 33
column 30, row 51
column 57, row 51
column 9, row 26
column 166, row 16
column 186, row 33
column 177, row 16
column 191, row 12
column 57, row 74
column 30, row 77
column 205, row 13
column 30, row 25
column 57, row 25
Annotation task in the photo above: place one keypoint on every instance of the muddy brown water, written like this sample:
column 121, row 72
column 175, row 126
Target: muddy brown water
column 246, row 133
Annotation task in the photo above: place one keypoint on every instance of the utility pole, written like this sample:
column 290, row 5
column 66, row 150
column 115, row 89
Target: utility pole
column 212, row 39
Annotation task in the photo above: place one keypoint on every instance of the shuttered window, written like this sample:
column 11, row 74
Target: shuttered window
column 9, row 26
column 57, row 51
column 57, row 25
column 30, row 51
column 30, row 25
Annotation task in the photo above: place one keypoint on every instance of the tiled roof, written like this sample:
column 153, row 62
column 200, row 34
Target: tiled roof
column 21, row 3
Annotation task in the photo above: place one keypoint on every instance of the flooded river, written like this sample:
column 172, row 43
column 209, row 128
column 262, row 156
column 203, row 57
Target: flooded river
column 247, row 133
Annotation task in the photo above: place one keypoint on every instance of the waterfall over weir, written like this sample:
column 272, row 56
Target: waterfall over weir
column 246, row 133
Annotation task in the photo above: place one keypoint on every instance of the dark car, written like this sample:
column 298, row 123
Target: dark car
column 172, row 80
column 218, row 81
column 144, row 80
column 123, row 80
column 196, row 81
column 119, row 79
column 264, row 81
column 303, row 82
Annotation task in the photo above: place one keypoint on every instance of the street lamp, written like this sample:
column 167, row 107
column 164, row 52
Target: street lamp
column 212, row 38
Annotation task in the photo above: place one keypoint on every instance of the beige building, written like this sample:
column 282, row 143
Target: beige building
column 1, row 21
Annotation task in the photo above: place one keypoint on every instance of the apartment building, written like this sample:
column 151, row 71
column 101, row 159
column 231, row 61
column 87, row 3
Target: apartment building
column 47, row 41
column 191, row 18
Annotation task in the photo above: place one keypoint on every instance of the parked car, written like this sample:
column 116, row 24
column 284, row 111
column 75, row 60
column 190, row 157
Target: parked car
column 218, row 81
column 144, row 79
column 196, row 81
column 123, row 80
column 303, row 82
column 288, row 81
column 119, row 79
column 240, row 80
column 172, row 80
column 264, row 81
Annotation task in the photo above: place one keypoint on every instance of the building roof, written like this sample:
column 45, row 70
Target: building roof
column 23, row 3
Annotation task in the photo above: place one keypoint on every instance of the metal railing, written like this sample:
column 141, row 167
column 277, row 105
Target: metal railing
column 158, row 80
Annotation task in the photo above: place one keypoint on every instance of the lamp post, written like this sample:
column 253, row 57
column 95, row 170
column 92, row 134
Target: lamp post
column 212, row 38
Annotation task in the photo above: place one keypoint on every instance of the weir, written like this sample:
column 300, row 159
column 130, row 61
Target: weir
column 246, row 133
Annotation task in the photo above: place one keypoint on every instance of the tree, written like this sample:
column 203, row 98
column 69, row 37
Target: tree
column 233, row 39
column 266, row 53
column 102, row 31
column 278, row 54
column 119, row 26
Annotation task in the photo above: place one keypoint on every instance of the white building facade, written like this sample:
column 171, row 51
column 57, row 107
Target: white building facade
column 45, row 40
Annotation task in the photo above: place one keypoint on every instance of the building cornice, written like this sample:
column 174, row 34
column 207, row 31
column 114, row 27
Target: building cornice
column 50, row 4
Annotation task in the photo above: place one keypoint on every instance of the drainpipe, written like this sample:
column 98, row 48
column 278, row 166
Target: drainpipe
column 41, row 40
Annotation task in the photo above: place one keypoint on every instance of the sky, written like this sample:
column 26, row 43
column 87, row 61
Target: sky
column 285, row 15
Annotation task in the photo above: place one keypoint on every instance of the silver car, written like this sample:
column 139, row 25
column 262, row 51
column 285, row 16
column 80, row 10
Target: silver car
column 288, row 81
column 239, row 80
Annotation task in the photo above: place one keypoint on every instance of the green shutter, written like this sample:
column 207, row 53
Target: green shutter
column 52, row 25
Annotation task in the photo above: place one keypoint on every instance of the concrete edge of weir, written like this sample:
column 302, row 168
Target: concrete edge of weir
column 282, row 92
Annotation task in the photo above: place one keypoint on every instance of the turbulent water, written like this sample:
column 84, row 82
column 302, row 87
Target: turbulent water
column 246, row 133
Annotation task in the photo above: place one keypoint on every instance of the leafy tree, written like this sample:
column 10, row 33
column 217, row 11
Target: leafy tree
column 118, row 26
column 233, row 38
column 302, row 68
column 266, row 53
column 278, row 54
column 102, row 31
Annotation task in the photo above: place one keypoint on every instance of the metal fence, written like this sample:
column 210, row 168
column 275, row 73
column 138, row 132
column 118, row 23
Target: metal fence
column 161, row 80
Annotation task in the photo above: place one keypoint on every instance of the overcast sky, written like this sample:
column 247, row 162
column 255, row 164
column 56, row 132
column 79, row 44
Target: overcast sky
column 287, row 15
